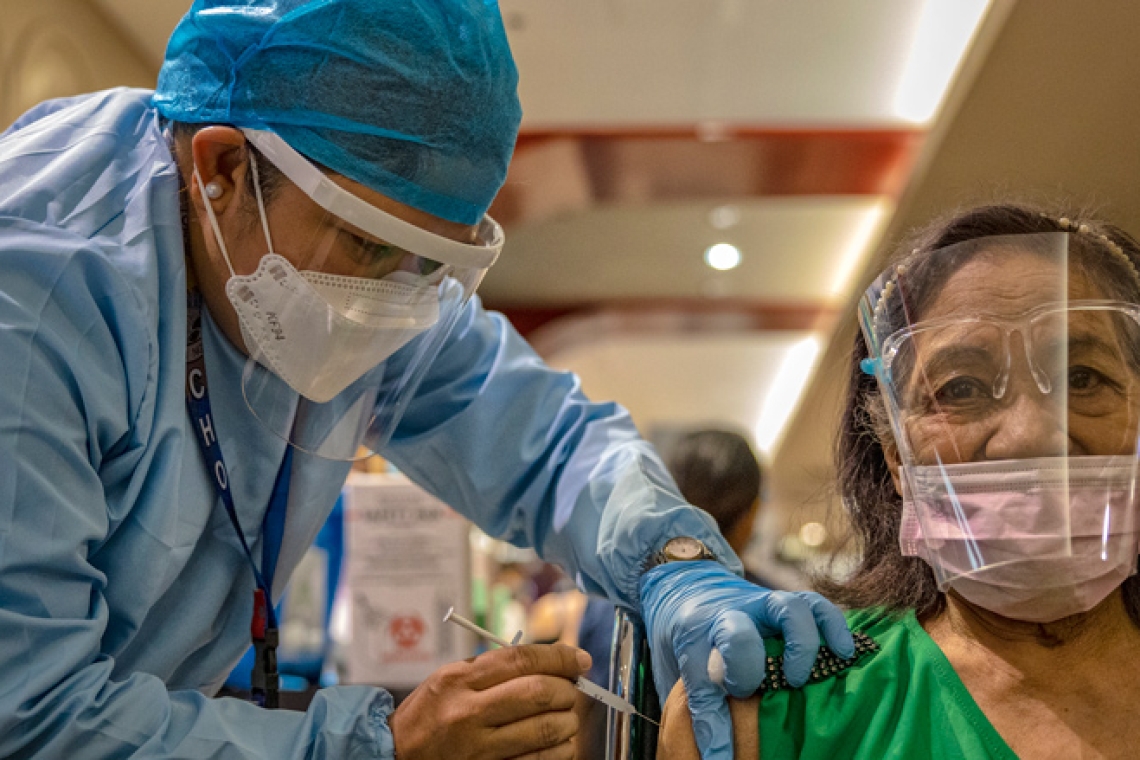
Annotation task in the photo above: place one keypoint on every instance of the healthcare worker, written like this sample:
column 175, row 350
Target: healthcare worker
column 212, row 296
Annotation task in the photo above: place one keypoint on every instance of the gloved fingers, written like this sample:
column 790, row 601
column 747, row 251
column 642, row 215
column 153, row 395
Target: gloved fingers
column 794, row 617
column 831, row 624
column 712, row 721
column 736, row 637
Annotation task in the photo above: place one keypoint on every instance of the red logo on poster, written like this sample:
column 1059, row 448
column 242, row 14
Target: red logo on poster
column 407, row 630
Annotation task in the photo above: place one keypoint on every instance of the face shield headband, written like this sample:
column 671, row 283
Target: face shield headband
column 375, row 221
column 1011, row 380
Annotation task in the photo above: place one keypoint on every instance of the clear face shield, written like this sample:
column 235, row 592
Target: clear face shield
column 1011, row 379
column 346, row 311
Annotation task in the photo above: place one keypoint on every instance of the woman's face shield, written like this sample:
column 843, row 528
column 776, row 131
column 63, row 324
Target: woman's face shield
column 1011, row 378
column 348, row 309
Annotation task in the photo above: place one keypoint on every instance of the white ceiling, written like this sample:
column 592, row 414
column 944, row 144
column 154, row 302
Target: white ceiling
column 773, row 62
column 808, row 63
column 794, row 250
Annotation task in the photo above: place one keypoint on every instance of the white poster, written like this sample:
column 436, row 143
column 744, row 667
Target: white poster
column 406, row 563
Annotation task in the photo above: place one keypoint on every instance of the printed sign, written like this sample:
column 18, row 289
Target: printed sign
column 406, row 562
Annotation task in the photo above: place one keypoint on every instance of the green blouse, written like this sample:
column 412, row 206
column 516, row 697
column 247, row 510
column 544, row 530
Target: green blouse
column 904, row 701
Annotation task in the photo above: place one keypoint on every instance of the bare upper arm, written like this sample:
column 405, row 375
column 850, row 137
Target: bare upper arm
column 677, row 742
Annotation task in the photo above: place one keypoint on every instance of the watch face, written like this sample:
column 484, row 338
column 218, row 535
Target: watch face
column 684, row 548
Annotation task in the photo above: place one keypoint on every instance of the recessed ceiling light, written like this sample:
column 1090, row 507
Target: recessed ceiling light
column 724, row 217
column 723, row 256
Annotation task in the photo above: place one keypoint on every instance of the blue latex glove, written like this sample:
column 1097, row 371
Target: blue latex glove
column 690, row 607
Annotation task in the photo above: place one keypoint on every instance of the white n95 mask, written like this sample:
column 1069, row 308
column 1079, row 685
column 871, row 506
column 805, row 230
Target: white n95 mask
column 288, row 317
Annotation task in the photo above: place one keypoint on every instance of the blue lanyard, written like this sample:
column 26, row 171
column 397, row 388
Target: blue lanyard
column 263, row 627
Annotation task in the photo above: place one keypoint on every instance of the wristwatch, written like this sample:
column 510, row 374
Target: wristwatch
column 680, row 549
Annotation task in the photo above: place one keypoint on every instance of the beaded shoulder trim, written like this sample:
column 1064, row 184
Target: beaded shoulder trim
column 827, row 665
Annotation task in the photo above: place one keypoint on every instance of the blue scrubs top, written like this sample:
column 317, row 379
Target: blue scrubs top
column 124, row 594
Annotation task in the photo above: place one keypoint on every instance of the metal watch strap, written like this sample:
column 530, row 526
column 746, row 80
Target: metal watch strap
column 661, row 557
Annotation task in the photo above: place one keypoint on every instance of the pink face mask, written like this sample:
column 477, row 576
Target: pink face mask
column 1028, row 539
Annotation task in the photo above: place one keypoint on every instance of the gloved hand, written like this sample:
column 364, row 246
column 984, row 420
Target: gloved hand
column 690, row 607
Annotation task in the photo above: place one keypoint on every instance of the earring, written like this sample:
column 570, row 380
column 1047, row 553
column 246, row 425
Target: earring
column 214, row 191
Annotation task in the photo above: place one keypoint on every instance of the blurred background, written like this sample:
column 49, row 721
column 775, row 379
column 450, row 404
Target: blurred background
column 702, row 189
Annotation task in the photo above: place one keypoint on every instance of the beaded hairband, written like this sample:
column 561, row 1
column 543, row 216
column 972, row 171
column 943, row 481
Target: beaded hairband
column 1109, row 243
column 1064, row 222
column 890, row 288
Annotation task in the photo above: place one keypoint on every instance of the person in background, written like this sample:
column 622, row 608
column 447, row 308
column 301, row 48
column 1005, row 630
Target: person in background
column 715, row 470
column 988, row 456
column 211, row 296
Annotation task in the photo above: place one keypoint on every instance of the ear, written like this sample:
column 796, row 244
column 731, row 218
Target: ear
column 221, row 159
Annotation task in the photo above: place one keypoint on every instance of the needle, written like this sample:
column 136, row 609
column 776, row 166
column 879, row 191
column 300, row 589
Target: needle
column 589, row 688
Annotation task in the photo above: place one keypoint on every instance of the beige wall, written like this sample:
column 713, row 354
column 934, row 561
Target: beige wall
column 1053, row 114
column 51, row 48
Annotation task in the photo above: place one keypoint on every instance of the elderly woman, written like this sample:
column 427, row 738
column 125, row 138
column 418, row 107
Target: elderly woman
column 988, row 457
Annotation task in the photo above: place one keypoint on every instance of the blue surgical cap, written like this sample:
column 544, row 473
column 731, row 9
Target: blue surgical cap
column 416, row 99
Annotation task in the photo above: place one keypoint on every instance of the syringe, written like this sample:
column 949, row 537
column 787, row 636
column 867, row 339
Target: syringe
column 589, row 688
